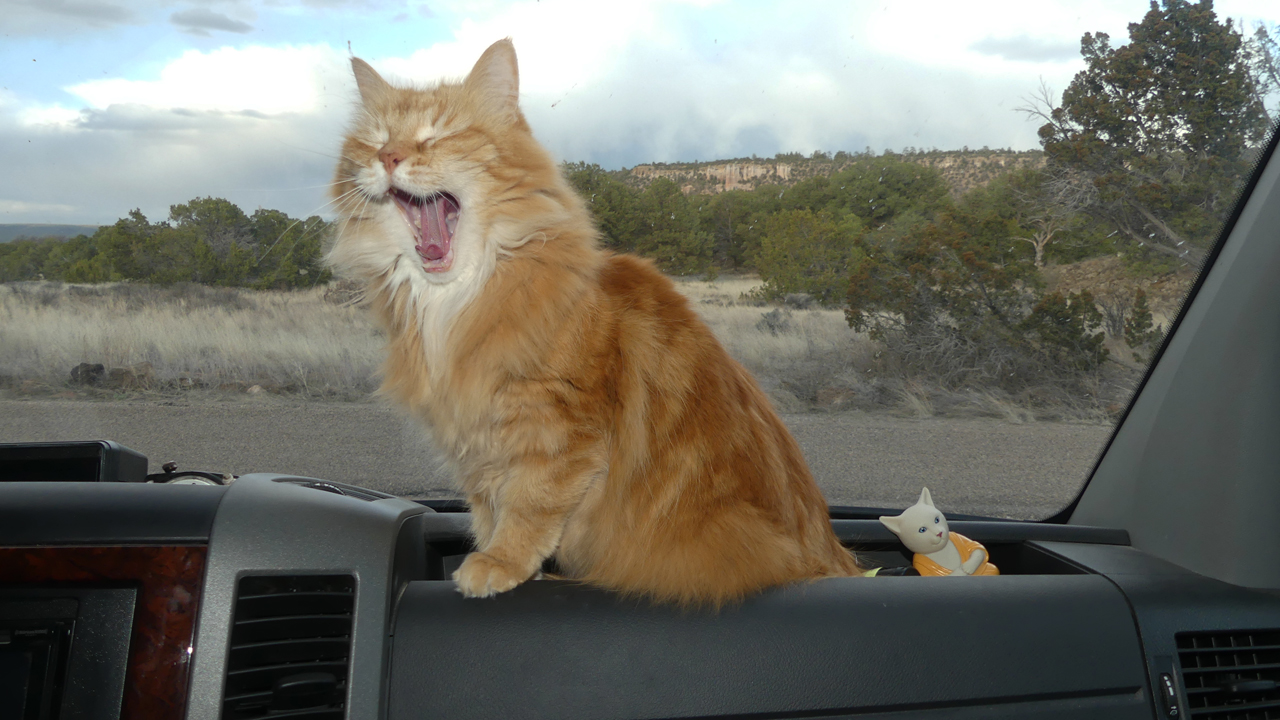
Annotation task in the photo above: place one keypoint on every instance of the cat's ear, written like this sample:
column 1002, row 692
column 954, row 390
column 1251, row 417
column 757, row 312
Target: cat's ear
column 890, row 522
column 925, row 498
column 371, row 84
column 495, row 79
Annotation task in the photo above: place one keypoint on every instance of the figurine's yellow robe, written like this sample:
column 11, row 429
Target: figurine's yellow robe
column 925, row 566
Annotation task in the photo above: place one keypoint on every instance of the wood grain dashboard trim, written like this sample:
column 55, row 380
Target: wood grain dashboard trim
column 168, row 580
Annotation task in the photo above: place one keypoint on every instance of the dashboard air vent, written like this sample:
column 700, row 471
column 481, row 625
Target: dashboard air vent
column 290, row 648
column 1231, row 675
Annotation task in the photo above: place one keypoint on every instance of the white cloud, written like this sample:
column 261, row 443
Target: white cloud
column 131, row 156
column 260, row 126
column 49, row 115
column 954, row 35
column 560, row 44
column 22, row 207
column 269, row 80
column 626, row 83
column 1248, row 11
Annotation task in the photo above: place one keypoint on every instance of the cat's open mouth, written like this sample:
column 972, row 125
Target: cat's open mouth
column 433, row 219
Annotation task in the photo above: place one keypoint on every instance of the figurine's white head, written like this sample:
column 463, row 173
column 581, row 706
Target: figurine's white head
column 920, row 527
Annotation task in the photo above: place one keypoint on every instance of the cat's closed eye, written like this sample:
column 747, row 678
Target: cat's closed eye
column 374, row 138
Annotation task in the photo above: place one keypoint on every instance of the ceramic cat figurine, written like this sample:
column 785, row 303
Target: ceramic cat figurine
column 938, row 551
column 588, row 413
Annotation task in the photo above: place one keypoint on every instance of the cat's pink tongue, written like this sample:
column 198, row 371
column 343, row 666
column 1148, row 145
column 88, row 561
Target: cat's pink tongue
column 437, row 227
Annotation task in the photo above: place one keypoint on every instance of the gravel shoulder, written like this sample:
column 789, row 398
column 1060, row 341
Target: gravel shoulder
column 979, row 466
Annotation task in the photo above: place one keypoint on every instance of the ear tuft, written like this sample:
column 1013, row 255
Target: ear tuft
column 496, row 79
column 372, row 86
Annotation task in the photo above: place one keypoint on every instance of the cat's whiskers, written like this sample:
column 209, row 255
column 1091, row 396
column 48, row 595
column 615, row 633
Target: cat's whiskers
column 348, row 218
column 335, row 202
column 275, row 188
column 313, row 151
column 295, row 223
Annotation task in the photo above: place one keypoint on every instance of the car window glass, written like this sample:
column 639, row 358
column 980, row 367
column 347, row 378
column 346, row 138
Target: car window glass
column 946, row 241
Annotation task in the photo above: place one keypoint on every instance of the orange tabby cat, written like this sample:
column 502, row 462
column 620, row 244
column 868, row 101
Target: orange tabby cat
column 589, row 414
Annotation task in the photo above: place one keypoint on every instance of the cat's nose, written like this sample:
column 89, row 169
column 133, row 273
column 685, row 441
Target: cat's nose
column 390, row 159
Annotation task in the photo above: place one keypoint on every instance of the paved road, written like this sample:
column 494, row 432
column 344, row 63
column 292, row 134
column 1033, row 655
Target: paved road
column 976, row 466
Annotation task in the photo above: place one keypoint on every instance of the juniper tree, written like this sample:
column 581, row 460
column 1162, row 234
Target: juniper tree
column 1159, row 130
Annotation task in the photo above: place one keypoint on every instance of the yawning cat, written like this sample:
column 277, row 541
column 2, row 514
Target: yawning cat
column 587, row 411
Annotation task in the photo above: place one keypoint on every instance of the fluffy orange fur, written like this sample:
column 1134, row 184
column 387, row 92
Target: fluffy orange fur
column 589, row 414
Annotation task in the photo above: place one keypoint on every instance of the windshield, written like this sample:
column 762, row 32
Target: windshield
column 946, row 239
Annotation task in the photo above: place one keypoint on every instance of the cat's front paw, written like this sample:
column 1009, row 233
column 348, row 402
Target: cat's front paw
column 482, row 575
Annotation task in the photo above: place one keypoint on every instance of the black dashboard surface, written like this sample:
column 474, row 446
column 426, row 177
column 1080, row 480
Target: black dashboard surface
column 1025, row 646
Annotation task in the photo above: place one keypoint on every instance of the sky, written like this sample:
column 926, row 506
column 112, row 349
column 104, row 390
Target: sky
column 111, row 105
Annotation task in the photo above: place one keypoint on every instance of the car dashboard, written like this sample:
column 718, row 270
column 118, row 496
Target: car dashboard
column 278, row 596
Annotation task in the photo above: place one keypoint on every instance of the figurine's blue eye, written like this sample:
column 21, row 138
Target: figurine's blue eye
column 937, row 520
column 921, row 529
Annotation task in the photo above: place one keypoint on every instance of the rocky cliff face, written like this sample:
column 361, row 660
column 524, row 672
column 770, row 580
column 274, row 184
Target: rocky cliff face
column 963, row 170
column 717, row 177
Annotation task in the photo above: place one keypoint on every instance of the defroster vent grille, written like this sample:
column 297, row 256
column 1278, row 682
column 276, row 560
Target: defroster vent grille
column 290, row 648
column 1231, row 675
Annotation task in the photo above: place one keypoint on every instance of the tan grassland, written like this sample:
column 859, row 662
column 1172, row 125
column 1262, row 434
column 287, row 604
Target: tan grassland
column 800, row 335
column 301, row 342
column 191, row 337
column 221, row 342
column 312, row 343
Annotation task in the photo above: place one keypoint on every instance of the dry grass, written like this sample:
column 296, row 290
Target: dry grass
column 297, row 342
column 809, row 359
column 802, row 357
column 190, row 335
column 227, row 341
column 799, row 336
